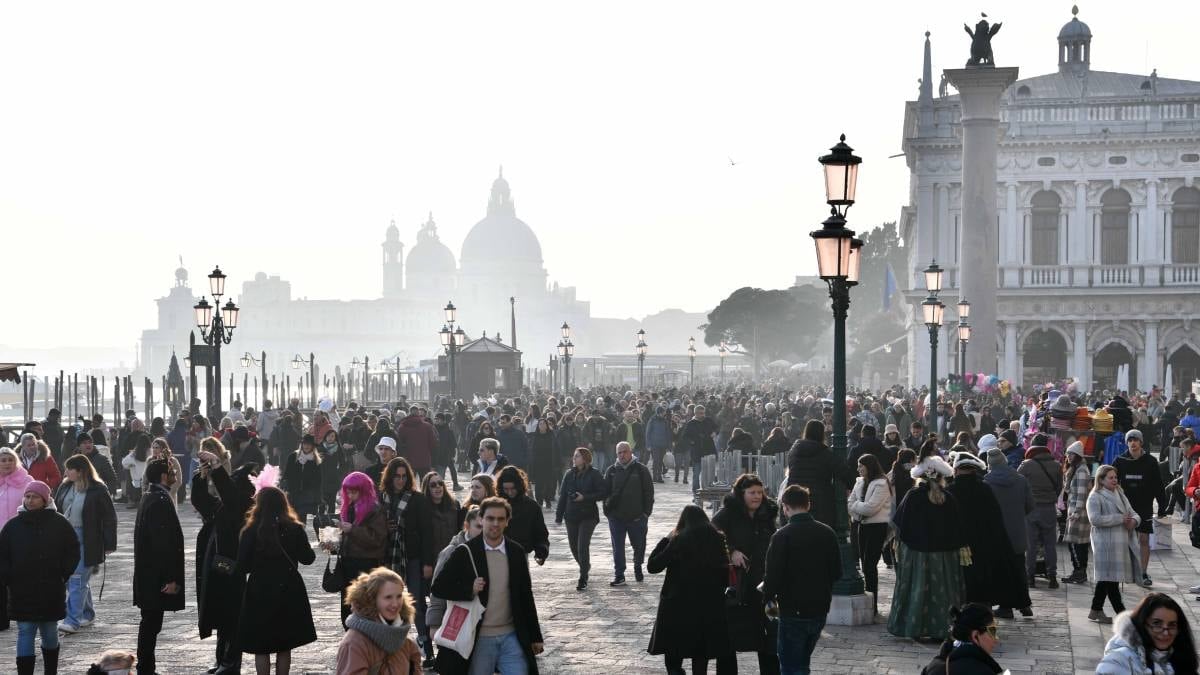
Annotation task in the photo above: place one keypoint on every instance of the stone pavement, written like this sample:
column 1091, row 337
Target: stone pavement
column 607, row 629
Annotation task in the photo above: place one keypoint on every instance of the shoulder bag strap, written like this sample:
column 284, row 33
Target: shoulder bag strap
column 1057, row 486
column 472, row 557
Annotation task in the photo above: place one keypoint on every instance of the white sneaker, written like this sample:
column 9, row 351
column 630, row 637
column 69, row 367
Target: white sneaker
column 86, row 622
column 67, row 628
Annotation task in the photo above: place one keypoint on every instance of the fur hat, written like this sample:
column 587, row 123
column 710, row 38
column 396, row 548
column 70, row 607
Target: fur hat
column 965, row 458
column 891, row 429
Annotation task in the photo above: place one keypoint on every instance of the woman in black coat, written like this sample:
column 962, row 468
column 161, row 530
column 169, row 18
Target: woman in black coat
column 302, row 478
column 38, row 553
column 747, row 519
column 691, row 622
column 578, row 493
column 219, row 593
column 812, row 465
column 526, row 526
column 275, row 617
column 993, row 577
column 335, row 463
column 544, row 462
column 776, row 443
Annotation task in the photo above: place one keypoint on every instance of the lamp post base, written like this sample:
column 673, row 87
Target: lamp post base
column 851, row 610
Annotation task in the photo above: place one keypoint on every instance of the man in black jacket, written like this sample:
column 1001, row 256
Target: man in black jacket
column 803, row 563
column 630, row 500
column 1142, row 483
column 85, row 446
column 510, row 631
column 157, row 560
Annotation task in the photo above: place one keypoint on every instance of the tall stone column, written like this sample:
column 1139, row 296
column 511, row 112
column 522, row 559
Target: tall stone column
column 1011, row 238
column 1078, row 248
column 1151, row 251
column 979, row 90
column 1148, row 365
column 1079, row 367
column 1011, row 369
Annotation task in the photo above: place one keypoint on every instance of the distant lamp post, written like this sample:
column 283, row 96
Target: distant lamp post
column 932, row 310
column 692, row 357
column 216, row 329
column 964, row 334
column 723, row 351
column 641, row 356
column 566, row 349
column 838, row 258
column 311, row 362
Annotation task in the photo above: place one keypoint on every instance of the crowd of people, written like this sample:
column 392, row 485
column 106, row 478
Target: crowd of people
column 416, row 555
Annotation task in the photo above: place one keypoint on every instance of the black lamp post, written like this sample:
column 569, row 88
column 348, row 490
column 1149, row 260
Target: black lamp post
column 566, row 349
column 964, row 334
column 838, row 264
column 692, row 356
column 248, row 360
column 216, row 329
column 452, row 340
column 932, row 310
column 311, row 362
column 723, row 351
column 641, row 355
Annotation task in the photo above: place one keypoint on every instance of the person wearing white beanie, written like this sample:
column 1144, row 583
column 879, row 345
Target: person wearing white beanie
column 987, row 442
column 1078, row 534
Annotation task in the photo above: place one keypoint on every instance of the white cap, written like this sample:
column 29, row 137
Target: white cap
column 387, row 442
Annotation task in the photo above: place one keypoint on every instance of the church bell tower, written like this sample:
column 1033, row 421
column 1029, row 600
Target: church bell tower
column 393, row 263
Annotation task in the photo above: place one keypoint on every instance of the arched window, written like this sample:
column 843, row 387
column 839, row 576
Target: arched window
column 1044, row 228
column 1185, row 226
column 1114, row 228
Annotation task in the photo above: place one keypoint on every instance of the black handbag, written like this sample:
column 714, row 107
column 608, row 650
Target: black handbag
column 331, row 580
column 221, row 564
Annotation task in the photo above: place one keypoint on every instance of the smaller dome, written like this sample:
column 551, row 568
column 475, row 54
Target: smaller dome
column 181, row 275
column 1075, row 29
column 393, row 232
column 430, row 257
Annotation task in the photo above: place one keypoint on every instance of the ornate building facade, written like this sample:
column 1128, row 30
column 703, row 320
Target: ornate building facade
column 1098, row 223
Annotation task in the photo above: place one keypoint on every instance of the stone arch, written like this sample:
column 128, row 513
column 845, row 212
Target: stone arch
column 1044, row 354
column 1184, row 359
column 1032, row 326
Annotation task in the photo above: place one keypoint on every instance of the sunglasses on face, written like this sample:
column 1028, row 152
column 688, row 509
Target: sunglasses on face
column 433, row 484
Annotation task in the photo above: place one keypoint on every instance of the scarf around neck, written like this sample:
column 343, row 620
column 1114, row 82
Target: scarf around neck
column 387, row 636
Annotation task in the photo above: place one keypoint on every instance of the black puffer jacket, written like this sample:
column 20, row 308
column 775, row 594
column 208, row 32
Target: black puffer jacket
column 38, row 553
column 590, row 484
column 812, row 465
column 966, row 659
column 751, row 536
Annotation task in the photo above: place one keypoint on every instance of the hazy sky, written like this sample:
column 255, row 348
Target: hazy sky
column 283, row 137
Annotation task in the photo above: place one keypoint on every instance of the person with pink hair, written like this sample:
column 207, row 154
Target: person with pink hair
column 364, row 533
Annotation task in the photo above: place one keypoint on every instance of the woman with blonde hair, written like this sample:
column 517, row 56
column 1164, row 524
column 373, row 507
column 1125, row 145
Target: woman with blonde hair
column 1115, row 552
column 377, row 629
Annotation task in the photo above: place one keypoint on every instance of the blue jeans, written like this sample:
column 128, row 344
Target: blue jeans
column 695, row 473
column 417, row 587
column 498, row 654
column 27, row 630
column 636, row 530
column 79, row 592
column 797, row 640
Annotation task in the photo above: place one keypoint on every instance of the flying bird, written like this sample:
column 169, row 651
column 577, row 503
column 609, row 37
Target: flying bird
column 731, row 162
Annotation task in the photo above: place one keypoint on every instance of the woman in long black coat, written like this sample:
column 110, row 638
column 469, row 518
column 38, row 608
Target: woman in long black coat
column 748, row 518
column 691, row 622
column 276, row 617
column 219, row 594
column 544, row 462
column 302, row 478
column 811, row 464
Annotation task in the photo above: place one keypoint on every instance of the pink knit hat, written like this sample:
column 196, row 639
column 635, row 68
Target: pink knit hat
column 40, row 489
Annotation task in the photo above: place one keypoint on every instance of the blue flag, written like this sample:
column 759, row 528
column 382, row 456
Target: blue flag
column 889, row 288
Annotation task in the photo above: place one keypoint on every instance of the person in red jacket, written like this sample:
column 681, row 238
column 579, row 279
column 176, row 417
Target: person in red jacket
column 37, row 460
column 417, row 439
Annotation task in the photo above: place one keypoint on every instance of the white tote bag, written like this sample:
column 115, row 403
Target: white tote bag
column 457, row 631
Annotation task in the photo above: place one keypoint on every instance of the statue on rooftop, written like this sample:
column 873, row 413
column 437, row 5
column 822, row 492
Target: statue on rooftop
column 981, row 43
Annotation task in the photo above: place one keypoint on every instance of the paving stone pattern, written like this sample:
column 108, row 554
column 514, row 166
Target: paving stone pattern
column 607, row 629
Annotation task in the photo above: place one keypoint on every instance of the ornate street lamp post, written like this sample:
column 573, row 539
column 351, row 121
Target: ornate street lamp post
column 838, row 264
column 566, row 349
column 932, row 310
column 964, row 334
column 452, row 340
column 216, row 329
column 641, row 355
column 692, row 356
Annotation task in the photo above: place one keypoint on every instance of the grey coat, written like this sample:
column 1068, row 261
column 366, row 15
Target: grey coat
column 1115, row 551
column 1016, row 501
column 437, row 606
column 1078, row 528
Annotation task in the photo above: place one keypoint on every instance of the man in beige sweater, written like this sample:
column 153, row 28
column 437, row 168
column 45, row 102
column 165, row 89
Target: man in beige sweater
column 496, row 570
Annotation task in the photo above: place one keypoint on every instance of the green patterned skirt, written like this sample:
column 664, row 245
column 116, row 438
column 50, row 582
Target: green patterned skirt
column 927, row 586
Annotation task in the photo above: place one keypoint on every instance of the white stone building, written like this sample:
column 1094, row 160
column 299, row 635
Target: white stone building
column 1098, row 223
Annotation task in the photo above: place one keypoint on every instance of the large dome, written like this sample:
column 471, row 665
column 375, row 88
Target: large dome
column 501, row 236
column 430, row 257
